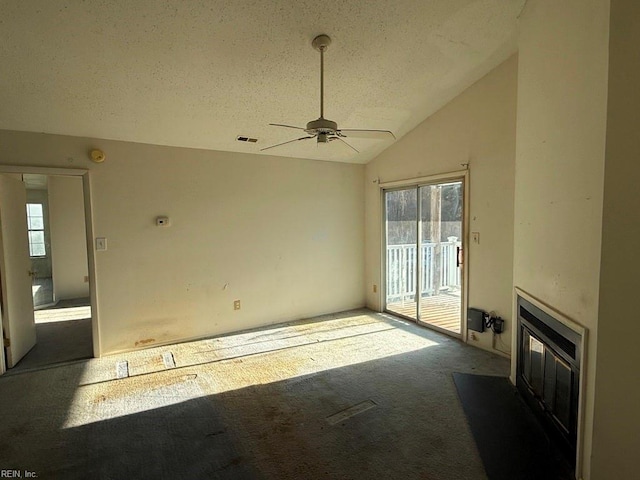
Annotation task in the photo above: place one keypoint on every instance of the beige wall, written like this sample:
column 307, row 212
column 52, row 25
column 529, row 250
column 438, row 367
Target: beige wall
column 616, row 433
column 68, row 237
column 285, row 236
column 477, row 127
column 562, row 95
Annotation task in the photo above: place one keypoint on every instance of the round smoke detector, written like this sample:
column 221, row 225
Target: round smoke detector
column 97, row 156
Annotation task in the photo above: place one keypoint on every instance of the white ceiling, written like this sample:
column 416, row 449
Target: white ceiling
column 200, row 73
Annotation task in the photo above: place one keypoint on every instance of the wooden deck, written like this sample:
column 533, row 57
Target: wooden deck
column 442, row 311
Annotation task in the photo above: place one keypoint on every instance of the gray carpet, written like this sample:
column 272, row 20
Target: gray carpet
column 63, row 334
column 58, row 342
column 277, row 403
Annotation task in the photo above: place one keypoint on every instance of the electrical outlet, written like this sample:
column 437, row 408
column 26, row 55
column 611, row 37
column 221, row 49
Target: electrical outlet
column 236, row 305
column 473, row 337
column 375, row 289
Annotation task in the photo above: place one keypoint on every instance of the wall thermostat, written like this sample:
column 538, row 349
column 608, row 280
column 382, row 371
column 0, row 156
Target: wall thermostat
column 162, row 221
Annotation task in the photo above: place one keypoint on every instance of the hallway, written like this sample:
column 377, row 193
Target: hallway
column 63, row 335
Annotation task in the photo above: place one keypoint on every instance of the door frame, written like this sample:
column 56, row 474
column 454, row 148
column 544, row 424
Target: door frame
column 85, row 175
column 460, row 175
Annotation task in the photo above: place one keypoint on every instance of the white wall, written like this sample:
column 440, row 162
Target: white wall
column 616, row 432
column 562, row 95
column 68, row 238
column 477, row 127
column 285, row 236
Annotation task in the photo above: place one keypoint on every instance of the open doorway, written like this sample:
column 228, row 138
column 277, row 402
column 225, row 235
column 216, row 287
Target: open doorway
column 56, row 233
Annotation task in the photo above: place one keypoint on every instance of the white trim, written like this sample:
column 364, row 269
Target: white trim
column 465, row 252
column 382, row 277
column 85, row 175
column 576, row 327
column 418, row 280
column 3, row 367
column 91, row 259
column 431, row 179
column 459, row 175
column 43, row 170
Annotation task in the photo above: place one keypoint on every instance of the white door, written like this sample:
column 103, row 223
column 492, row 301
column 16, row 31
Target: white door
column 19, row 329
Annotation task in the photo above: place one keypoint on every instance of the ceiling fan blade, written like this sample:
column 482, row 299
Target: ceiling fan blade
column 363, row 133
column 284, row 143
column 286, row 126
column 347, row 144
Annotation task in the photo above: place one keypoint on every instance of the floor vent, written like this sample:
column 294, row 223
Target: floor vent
column 122, row 369
column 350, row 412
column 169, row 360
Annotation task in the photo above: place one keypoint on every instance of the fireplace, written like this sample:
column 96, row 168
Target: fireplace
column 548, row 372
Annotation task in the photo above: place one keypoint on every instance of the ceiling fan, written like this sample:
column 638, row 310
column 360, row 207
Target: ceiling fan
column 323, row 130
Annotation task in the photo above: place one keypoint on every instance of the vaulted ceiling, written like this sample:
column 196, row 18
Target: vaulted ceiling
column 201, row 73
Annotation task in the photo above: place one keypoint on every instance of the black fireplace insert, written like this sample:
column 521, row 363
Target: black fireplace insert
column 548, row 374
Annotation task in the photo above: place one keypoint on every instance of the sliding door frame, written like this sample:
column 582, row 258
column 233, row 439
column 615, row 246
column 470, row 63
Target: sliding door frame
column 461, row 176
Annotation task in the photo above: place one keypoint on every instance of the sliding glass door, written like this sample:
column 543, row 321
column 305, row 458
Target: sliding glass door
column 424, row 232
column 401, row 208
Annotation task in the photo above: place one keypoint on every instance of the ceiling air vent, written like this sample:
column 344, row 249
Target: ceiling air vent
column 240, row 138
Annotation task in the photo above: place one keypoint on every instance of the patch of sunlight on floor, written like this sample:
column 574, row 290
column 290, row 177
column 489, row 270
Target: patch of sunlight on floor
column 237, row 361
column 62, row 314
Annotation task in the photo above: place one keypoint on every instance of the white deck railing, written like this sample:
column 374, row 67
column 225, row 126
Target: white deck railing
column 401, row 269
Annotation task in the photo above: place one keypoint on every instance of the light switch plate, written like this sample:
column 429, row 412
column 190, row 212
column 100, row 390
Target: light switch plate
column 101, row 243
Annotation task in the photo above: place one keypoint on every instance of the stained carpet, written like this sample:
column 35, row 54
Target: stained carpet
column 353, row 395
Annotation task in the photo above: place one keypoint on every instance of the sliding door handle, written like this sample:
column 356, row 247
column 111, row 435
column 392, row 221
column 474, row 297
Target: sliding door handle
column 459, row 256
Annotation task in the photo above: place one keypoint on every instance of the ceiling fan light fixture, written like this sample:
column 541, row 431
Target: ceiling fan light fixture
column 323, row 138
column 323, row 130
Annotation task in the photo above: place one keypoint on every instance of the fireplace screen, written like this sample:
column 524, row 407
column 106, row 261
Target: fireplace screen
column 549, row 372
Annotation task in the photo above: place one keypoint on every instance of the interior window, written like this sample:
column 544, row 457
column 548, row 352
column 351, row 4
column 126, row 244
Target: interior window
column 35, row 224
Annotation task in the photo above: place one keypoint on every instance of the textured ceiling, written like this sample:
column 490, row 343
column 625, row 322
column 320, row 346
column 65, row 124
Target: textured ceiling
column 200, row 73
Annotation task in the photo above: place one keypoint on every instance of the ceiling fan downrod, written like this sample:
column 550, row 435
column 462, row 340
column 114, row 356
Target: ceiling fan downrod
column 322, row 125
column 321, row 43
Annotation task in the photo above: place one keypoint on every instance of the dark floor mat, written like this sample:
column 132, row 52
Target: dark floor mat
column 510, row 440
